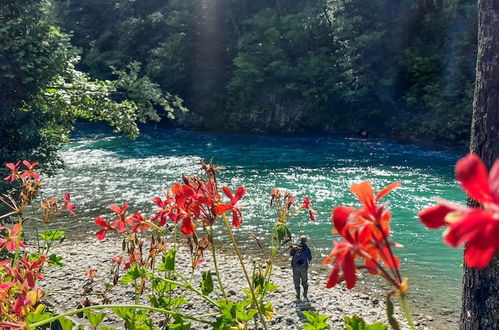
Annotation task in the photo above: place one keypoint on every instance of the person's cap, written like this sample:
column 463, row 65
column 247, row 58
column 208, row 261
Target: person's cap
column 303, row 238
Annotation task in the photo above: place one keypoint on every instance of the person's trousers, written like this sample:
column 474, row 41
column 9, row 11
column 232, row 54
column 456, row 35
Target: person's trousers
column 300, row 275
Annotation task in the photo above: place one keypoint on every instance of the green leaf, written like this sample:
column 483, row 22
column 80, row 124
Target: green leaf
column 66, row 324
column 163, row 286
column 37, row 317
column 315, row 321
column 52, row 235
column 282, row 232
column 133, row 273
column 121, row 312
column 357, row 323
column 95, row 319
column 180, row 323
column 207, row 283
column 55, row 260
column 168, row 261
column 270, row 287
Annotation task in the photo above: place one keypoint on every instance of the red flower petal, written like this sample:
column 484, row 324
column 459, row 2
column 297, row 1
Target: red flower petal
column 100, row 222
column 494, row 181
column 477, row 257
column 312, row 214
column 434, row 217
column 187, row 227
column 101, row 234
column 349, row 270
column 6, row 285
column 227, row 192
column 177, row 189
column 222, row 208
column 340, row 217
column 364, row 192
column 236, row 219
column 333, row 276
column 387, row 189
column 474, row 224
column 240, row 192
column 306, row 203
column 472, row 174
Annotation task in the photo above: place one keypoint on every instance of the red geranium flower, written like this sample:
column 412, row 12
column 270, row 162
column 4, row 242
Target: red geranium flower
column 101, row 234
column 121, row 222
column 139, row 223
column 185, row 208
column 67, row 204
column 165, row 210
column 344, row 253
column 307, row 205
column 373, row 218
column 232, row 205
column 477, row 227
column 91, row 272
column 31, row 269
column 365, row 232
column 14, row 168
column 13, row 239
column 29, row 172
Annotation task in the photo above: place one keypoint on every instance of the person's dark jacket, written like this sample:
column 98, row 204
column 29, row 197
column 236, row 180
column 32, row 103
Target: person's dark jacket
column 301, row 257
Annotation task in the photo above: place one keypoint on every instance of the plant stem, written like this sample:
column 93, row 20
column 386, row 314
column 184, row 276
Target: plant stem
column 385, row 274
column 407, row 313
column 241, row 261
column 189, row 286
column 175, row 236
column 394, row 271
column 164, row 311
column 215, row 264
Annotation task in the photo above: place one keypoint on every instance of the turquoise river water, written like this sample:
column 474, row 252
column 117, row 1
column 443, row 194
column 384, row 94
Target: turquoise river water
column 102, row 169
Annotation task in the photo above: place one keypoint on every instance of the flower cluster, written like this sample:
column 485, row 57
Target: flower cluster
column 196, row 200
column 18, row 295
column 477, row 227
column 365, row 233
column 19, row 273
column 284, row 204
column 30, row 185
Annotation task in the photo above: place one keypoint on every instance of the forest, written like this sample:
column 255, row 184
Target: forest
column 399, row 69
column 294, row 66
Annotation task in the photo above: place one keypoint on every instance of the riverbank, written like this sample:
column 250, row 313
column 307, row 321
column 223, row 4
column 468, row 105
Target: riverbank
column 65, row 287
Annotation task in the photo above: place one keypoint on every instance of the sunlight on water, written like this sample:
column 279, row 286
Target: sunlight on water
column 103, row 169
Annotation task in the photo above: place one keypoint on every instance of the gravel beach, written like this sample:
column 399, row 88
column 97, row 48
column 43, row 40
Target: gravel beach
column 65, row 286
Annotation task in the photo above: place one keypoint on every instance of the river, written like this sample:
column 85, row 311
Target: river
column 102, row 169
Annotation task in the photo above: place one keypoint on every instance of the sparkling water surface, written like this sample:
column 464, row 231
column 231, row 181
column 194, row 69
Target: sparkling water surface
column 103, row 169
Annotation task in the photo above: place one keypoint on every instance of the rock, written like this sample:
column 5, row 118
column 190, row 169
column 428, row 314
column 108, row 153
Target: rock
column 446, row 311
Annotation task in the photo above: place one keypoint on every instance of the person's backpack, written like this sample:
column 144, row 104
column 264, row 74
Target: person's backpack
column 300, row 259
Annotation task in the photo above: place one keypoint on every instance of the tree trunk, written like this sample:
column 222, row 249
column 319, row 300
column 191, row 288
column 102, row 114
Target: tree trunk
column 480, row 309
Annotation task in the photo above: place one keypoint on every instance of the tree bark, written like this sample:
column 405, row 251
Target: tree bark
column 480, row 308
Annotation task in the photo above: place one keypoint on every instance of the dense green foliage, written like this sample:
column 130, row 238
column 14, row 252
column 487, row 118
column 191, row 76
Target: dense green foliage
column 402, row 69
column 43, row 95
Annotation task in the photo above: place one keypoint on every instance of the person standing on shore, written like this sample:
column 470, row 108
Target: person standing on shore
column 299, row 264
